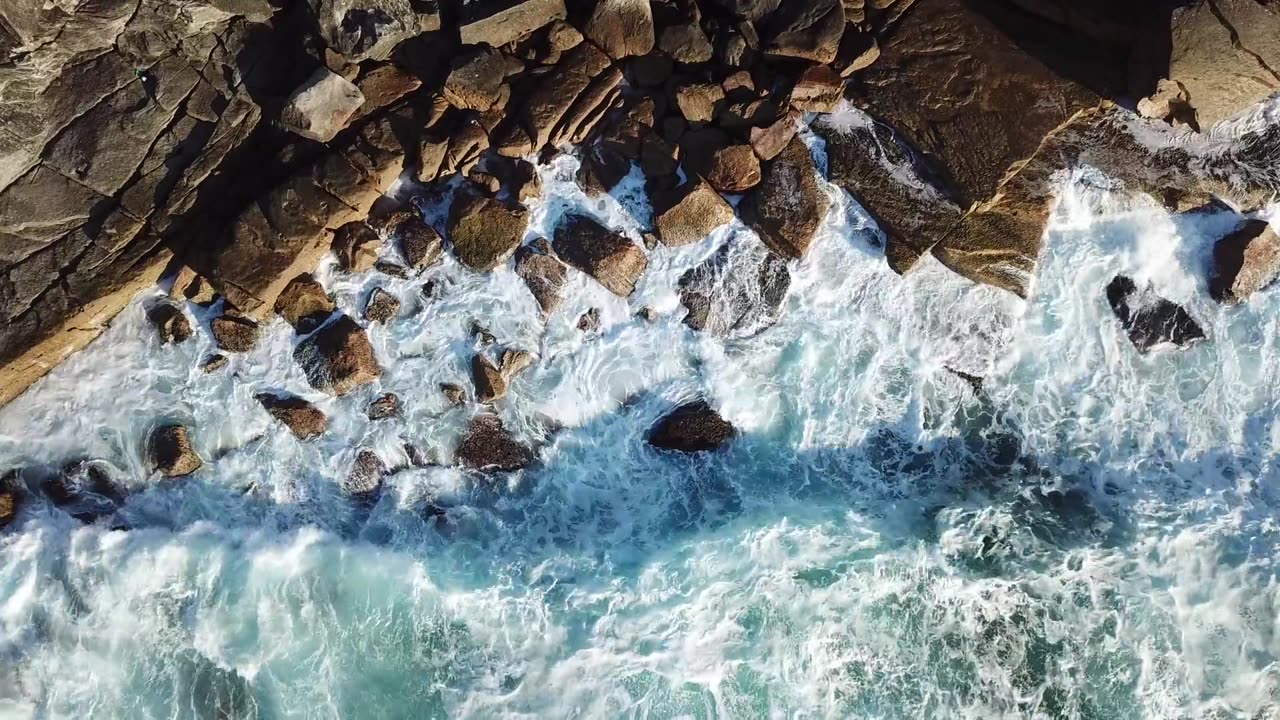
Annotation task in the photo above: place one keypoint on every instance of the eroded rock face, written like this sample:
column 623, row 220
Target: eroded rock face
column 304, row 304
column 385, row 407
column 690, row 428
column 485, row 232
column 498, row 22
column 1245, row 262
column 303, row 419
column 365, row 29
column 1149, row 319
column 355, row 244
column 338, row 358
column 613, row 260
column 1226, row 55
column 787, row 207
column 487, row 446
column 169, row 448
column 621, row 27
column 695, row 210
column 737, row 292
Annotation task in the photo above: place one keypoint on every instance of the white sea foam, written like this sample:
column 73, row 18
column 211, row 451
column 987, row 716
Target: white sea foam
column 871, row 546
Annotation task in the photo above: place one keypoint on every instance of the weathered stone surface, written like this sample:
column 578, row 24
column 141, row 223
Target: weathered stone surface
column 1170, row 103
column 338, row 358
column 614, row 261
column 733, row 169
column 488, row 446
column 304, row 304
column 170, row 451
column 621, row 27
column 420, row 245
column 355, row 245
column 601, row 170
column 322, row 106
column 698, row 101
column 753, row 10
column 170, row 323
column 807, row 29
column 856, row 51
column 787, row 207
column 736, row 293
column 485, row 232
column 9, row 506
column 1245, row 261
column 476, row 79
column 695, row 210
column 818, row 89
column 498, row 22
column 364, row 480
column 381, row 307
column 513, row 362
column 383, row 86
column 1226, row 54
column 681, row 36
column 303, row 419
column 234, row 333
column 365, row 29
column 1149, row 319
column 385, row 407
column 692, row 427
column 544, row 275
column 489, row 383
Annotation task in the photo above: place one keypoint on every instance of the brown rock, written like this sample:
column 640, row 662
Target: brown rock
column 621, row 27
column 695, row 210
column 322, row 106
column 698, row 101
column 487, row 446
column 692, row 427
column 807, row 29
column 544, row 275
column 214, row 362
column 787, row 207
column 420, row 245
column 304, row 304
column 338, row 358
column 601, row 170
column 564, row 97
column 382, row 306
column 614, row 261
column 384, row 407
column 1170, row 103
column 734, row 169
column 234, row 333
column 488, row 380
column 562, row 37
column 1245, row 261
column 365, row 478
column 818, row 89
column 455, row 394
column 356, row 246
column 514, row 362
column 9, row 505
column 650, row 70
column 487, row 182
column 170, row 322
column 485, row 232
column 739, row 82
column 768, row 141
column 171, row 453
column 681, row 36
column 303, row 419
column 498, row 22
column 383, row 86
column 857, row 51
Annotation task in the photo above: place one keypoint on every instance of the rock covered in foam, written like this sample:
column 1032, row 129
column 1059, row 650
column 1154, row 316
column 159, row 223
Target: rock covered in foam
column 1245, row 261
column 737, row 292
column 382, row 306
column 1149, row 319
column 692, row 427
column 170, row 451
column 338, row 358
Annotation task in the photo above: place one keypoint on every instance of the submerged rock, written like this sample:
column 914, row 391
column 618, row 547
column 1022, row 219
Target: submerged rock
column 487, row 446
column 737, row 292
column 1149, row 319
column 692, row 427
column 234, row 333
column 303, row 419
column 214, row 362
column 613, row 260
column 338, row 358
column 170, row 322
column 170, row 451
column 1245, row 262
column 455, row 394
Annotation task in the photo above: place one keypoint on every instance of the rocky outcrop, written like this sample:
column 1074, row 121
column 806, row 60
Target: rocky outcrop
column 787, row 207
column 170, row 451
column 613, row 260
column 1245, row 261
column 692, row 211
column 338, row 358
column 737, row 292
column 485, row 232
column 304, row 420
column 690, row 428
column 488, row 447
column 1225, row 55
column 304, row 304
column 1148, row 319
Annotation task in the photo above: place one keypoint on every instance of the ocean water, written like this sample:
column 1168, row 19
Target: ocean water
column 1090, row 535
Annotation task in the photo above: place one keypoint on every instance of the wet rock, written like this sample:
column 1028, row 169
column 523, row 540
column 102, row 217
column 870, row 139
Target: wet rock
column 818, row 89
column 1226, row 54
column 601, row 170
column 234, row 333
column 519, row 177
column 454, row 394
column 420, row 245
column 738, row 292
column 476, row 79
column 382, row 306
column 304, row 304
column 490, row 385
column 9, row 506
column 394, row 270
column 322, row 106
column 544, row 275
column 481, row 335
column 692, row 427
column 787, row 207
column 1149, row 319
column 698, row 148
column 514, row 362
column 355, row 244
column 613, row 260
column 752, row 10
column 170, row 323
column 365, row 477
column 498, row 22
column 589, row 321
column 214, row 363
column 695, row 210
column 734, row 169
column 806, row 29
column 303, row 419
column 1245, row 261
column 659, row 158
column 485, row 232
column 338, row 358
column 698, row 102
column 647, row 314
column 1170, row 103
column 488, row 446
column 621, row 27
column 385, row 406
column 170, row 451
column 856, row 51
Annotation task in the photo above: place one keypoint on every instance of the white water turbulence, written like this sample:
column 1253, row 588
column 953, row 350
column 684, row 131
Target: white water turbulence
column 1090, row 535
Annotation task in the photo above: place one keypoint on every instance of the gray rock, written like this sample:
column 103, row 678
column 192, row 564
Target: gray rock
column 1226, row 54
column 544, row 275
column 1148, row 319
column 366, row 29
column 385, row 406
column 322, row 106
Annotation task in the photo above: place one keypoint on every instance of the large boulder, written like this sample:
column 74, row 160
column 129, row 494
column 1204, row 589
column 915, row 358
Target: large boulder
column 303, row 419
column 1226, row 55
column 692, row 427
column 692, row 211
column 485, row 231
column 366, row 29
column 613, row 260
column 543, row 273
column 419, row 243
column 170, row 451
column 475, row 81
column 355, row 245
column 738, row 292
column 733, row 169
column 304, row 304
column 498, row 22
column 680, row 35
column 621, row 27
column 488, row 446
column 806, row 29
column 787, row 207
column 322, row 106
column 1148, row 319
column 338, row 358
column 1245, row 261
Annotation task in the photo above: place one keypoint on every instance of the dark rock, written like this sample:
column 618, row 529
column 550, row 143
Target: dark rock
column 589, row 321
column 170, row 450
column 487, row 446
column 355, row 245
column 381, row 307
column 544, row 275
column 1149, row 319
column 694, row 211
column 733, row 169
column 498, row 22
column 613, row 260
column 303, row 419
column 455, row 394
column 1245, row 261
column 170, row 322
column 787, row 207
column 490, row 385
column 519, row 177
column 481, row 335
column 395, row 270
column 486, row 182
column 304, row 304
column 385, row 406
column 475, row 80
column 420, row 245
column 214, row 363
column 365, row 478
column 338, row 358
column 738, row 292
column 621, row 27
column 692, row 427
column 650, row 70
column 752, row 10
column 322, row 106
column 647, row 314
column 806, row 29
column 601, row 170
column 699, row 146
column 485, row 232
column 680, row 35
column 9, row 506
column 234, row 333
column 658, row 158
column 857, row 51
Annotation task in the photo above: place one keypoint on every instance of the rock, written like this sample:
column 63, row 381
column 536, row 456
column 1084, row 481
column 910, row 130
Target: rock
column 9, row 506
column 806, row 29
column 694, row 211
column 698, row 101
column 366, row 29
column 170, row 322
column 564, row 102
column 355, row 244
column 562, row 37
column 658, row 158
column 589, row 321
column 647, row 314
column 395, row 270
column 322, row 106
column 214, row 363
column 338, row 358
column 768, row 141
column 519, row 177
column 487, row 446
column 485, row 232
column 601, row 170
column 385, row 406
column 698, row 148
column 738, row 292
column 488, row 380
column 1149, row 319
column 1245, row 261
column 234, row 333
column 171, row 453
column 365, row 478
column 514, row 362
column 382, row 306
column 420, row 245
column 544, row 275
column 818, row 89
column 303, row 419
column 304, row 304
column 1226, row 54
column 481, row 335
column 692, row 427
column 734, row 169
column 614, row 261
column 383, row 86
column 650, row 70
column 1170, row 103
column 476, row 79
column 857, row 51
column 787, row 207
column 621, row 27
column 751, row 10
column 454, row 394
column 681, row 36
column 498, row 22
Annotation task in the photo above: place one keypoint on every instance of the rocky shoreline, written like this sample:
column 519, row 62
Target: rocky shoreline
column 230, row 145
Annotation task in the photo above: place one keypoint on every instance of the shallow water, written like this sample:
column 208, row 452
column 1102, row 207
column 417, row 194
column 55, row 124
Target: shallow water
column 1091, row 535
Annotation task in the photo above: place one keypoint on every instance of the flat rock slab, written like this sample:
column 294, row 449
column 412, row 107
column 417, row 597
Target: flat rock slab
column 322, row 106
column 610, row 257
column 498, row 22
